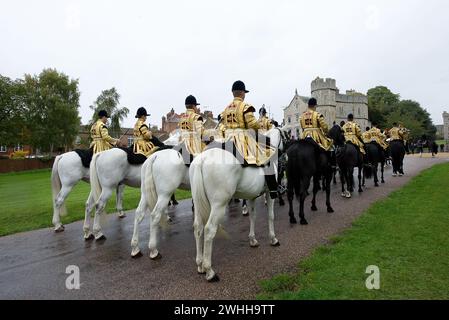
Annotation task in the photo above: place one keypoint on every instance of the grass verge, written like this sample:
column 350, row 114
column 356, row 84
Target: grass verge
column 26, row 203
column 406, row 236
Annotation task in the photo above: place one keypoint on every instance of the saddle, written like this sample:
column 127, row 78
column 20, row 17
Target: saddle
column 230, row 146
column 138, row 159
column 86, row 156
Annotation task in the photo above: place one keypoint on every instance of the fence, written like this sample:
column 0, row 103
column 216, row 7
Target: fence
column 9, row 165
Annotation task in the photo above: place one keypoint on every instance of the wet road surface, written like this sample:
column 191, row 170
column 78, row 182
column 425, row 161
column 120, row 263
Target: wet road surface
column 33, row 264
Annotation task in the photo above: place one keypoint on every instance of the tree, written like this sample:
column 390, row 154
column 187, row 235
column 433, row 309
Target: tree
column 52, row 101
column 109, row 100
column 12, row 127
column 380, row 102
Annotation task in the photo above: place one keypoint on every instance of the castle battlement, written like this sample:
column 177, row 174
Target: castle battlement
column 322, row 84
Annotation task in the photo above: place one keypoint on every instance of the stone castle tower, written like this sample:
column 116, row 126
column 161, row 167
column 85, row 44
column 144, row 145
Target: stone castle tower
column 325, row 92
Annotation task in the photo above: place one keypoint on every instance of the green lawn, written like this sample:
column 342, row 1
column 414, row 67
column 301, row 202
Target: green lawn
column 26, row 203
column 405, row 235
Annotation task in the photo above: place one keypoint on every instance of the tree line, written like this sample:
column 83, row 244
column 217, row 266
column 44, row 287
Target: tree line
column 386, row 108
column 42, row 111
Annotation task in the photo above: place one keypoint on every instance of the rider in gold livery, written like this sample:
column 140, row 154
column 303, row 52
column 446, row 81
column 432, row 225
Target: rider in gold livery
column 238, row 124
column 143, row 138
column 101, row 140
column 265, row 123
column 191, row 126
column 314, row 126
column 353, row 133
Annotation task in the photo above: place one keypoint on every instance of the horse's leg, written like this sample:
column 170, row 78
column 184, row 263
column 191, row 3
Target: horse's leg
column 210, row 230
column 156, row 214
column 343, row 182
column 291, row 213
column 334, row 175
column 316, row 188
column 173, row 200
column 119, row 201
column 376, row 178
column 382, row 167
column 62, row 195
column 360, row 178
column 328, row 192
column 90, row 203
column 302, row 198
column 252, row 221
column 106, row 193
column 138, row 217
column 244, row 208
column 198, row 227
column 273, row 241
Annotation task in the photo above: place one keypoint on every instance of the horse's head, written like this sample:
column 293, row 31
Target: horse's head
column 278, row 138
column 336, row 134
column 174, row 138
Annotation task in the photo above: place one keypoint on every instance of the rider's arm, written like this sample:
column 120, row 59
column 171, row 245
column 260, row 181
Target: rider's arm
column 358, row 131
column 323, row 124
column 106, row 137
column 250, row 119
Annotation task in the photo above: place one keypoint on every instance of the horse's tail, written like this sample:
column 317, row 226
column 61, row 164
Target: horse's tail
column 148, row 186
column 368, row 170
column 56, row 186
column 201, row 202
column 94, row 181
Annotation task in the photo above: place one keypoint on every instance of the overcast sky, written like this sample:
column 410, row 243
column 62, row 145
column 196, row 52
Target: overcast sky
column 157, row 52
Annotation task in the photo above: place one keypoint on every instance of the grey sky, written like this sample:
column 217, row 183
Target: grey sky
column 157, row 52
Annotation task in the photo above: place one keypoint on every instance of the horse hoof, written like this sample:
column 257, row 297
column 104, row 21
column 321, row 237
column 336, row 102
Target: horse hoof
column 137, row 255
column 101, row 238
column 330, row 210
column 253, row 243
column 360, row 190
column 383, row 181
column 314, row 208
column 275, row 243
column 122, row 216
column 89, row 237
column 215, row 278
column 304, row 222
column 293, row 221
column 175, row 203
column 281, row 203
column 59, row 229
column 376, row 185
column 343, row 194
column 158, row 257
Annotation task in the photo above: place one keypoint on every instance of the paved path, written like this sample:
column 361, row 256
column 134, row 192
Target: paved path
column 33, row 264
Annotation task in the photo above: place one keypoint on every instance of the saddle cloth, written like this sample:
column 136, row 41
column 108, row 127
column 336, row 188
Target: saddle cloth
column 85, row 155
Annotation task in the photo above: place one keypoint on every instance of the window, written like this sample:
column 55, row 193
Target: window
column 18, row 148
column 2, row 148
column 289, row 120
column 130, row 141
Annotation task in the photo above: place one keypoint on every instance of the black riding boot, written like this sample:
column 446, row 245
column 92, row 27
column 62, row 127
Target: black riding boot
column 272, row 185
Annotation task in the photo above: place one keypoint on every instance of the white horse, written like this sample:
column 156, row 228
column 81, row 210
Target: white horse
column 110, row 170
column 216, row 177
column 162, row 173
column 67, row 171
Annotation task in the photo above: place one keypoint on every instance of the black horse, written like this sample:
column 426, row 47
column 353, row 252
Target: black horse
column 374, row 157
column 348, row 157
column 306, row 160
column 397, row 150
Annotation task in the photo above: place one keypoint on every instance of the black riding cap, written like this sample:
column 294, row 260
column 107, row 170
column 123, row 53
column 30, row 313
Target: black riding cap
column 239, row 86
column 141, row 112
column 191, row 101
column 262, row 110
column 102, row 113
column 312, row 102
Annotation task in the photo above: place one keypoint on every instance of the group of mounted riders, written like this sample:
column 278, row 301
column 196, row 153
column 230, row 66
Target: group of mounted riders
column 241, row 158
column 239, row 126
